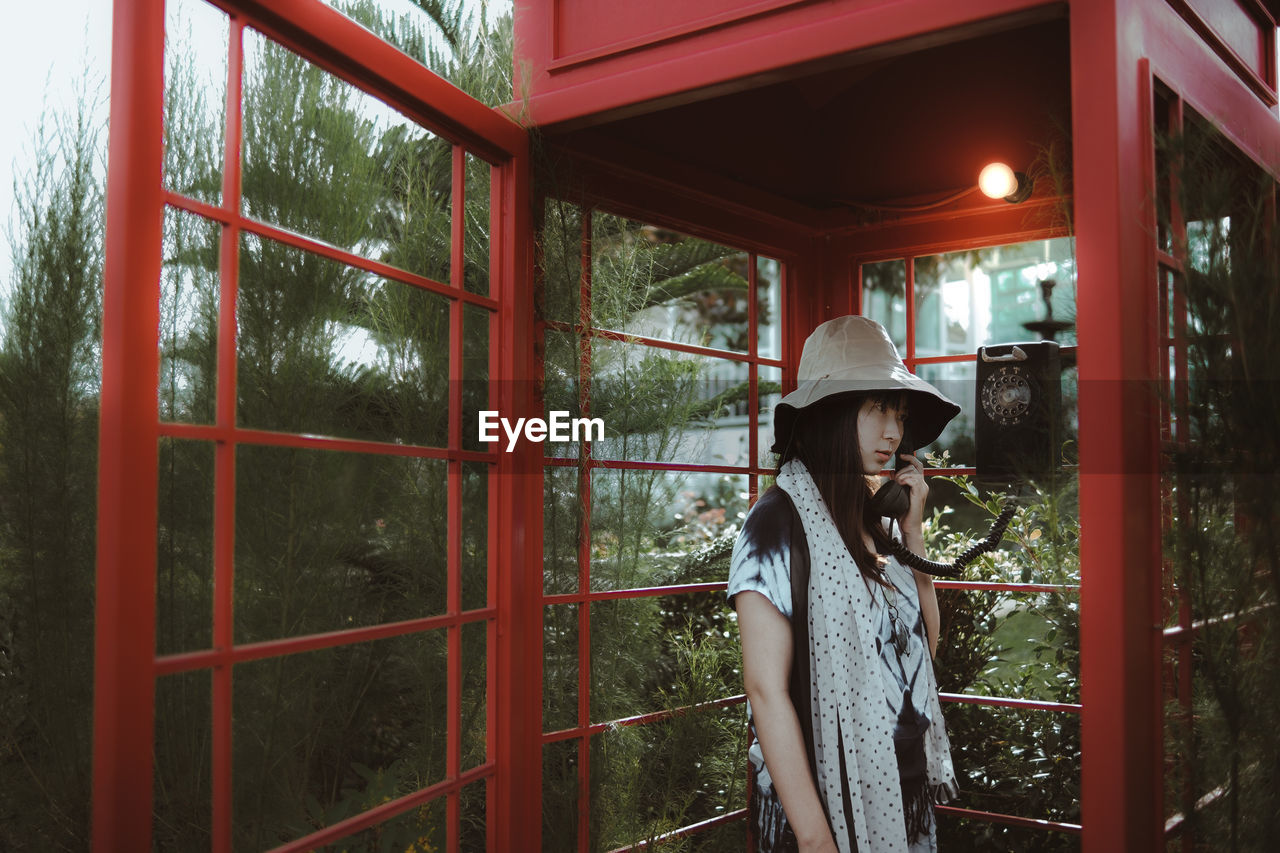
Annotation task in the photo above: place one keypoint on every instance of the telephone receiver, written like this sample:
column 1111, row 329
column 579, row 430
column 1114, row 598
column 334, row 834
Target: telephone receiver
column 892, row 500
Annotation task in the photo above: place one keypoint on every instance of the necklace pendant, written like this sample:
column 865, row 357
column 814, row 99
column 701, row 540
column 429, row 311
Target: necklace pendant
column 899, row 638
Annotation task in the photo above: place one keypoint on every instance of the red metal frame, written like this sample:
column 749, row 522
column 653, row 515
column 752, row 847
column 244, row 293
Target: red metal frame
column 1117, row 48
column 1178, row 639
column 127, row 664
column 1119, row 506
column 586, row 463
column 737, row 46
column 795, row 332
column 1225, row 39
column 1119, row 442
column 124, row 632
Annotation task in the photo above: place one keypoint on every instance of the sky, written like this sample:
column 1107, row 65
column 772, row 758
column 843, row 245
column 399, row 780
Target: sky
column 47, row 48
column 43, row 69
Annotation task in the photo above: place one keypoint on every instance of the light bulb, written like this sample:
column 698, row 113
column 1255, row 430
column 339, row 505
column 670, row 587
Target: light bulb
column 997, row 181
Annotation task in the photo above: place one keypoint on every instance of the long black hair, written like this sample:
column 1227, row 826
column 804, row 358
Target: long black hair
column 824, row 438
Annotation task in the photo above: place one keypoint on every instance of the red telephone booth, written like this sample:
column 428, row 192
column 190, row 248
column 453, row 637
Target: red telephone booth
column 833, row 146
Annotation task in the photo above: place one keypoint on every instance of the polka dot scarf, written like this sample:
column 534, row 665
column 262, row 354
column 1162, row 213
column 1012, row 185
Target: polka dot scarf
column 852, row 726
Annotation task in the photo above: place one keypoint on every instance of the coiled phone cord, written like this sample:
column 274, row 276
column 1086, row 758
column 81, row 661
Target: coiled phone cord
column 953, row 569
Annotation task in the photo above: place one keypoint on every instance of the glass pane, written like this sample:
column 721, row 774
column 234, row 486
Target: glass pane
column 959, row 515
column 561, row 524
column 475, row 694
column 184, row 547
column 473, row 818
column 770, row 392
column 944, row 306
column 957, row 381
column 475, row 375
column 475, row 535
column 183, row 780
column 328, row 349
column 663, row 406
column 560, row 796
column 1020, row 762
column 643, row 651
column 560, row 390
column 328, row 540
column 1071, row 414
column 419, row 830
column 1034, row 645
column 647, row 280
column 189, row 318
column 651, row 779
column 560, row 253
column 647, row 527
column 1165, row 287
column 965, row 300
column 958, row 833
column 727, row 837
column 1164, row 175
column 476, row 236
column 1208, row 251
column 325, row 735
column 884, row 299
column 410, row 28
column 324, row 159
column 768, row 307
column 195, row 97
column 559, row 667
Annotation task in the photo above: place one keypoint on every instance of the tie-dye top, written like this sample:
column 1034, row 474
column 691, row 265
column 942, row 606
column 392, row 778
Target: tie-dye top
column 760, row 563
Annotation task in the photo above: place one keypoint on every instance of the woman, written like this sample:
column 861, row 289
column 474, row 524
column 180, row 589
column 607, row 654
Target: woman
column 850, row 751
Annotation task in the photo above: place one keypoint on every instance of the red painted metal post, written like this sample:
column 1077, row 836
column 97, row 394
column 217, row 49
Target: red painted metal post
column 124, row 685
column 494, row 532
column 518, row 811
column 457, row 276
column 1119, row 436
column 224, row 520
column 584, row 540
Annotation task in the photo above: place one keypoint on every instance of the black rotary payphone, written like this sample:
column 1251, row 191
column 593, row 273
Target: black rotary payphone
column 1019, row 400
column 1019, row 404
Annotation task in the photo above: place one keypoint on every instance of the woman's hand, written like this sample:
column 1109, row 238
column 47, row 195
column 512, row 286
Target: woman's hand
column 912, row 478
column 912, row 527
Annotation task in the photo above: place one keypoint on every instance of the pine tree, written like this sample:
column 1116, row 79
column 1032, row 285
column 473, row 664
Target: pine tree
column 48, row 433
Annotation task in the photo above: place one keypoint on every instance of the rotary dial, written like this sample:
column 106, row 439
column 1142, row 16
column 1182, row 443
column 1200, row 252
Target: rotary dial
column 1006, row 396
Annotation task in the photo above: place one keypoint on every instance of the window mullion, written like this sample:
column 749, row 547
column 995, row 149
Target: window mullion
column 225, row 451
column 910, row 299
column 584, row 540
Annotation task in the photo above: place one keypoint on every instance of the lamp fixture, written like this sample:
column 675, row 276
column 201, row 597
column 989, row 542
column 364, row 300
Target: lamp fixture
column 997, row 180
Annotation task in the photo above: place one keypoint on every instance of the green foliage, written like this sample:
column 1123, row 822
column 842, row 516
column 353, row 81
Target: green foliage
column 658, row 777
column 323, row 540
column 1019, row 646
column 648, row 528
column 48, row 474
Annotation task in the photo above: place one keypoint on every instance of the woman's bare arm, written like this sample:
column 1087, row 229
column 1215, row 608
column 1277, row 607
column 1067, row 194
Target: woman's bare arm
column 912, row 527
column 766, row 665
column 928, row 607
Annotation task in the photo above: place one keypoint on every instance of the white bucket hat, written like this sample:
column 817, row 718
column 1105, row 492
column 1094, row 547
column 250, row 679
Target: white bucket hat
column 855, row 354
